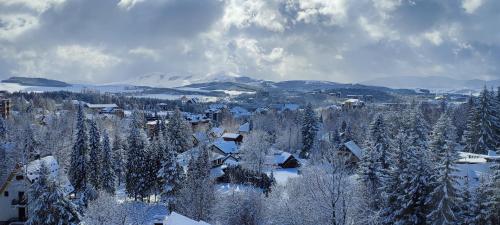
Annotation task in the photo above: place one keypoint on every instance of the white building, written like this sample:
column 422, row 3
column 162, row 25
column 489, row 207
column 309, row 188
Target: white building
column 14, row 190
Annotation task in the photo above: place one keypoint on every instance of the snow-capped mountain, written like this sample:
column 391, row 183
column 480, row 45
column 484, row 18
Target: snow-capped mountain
column 436, row 83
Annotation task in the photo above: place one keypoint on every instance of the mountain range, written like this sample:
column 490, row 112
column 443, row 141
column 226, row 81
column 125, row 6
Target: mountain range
column 437, row 83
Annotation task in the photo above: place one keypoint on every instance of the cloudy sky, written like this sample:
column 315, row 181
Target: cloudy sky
column 337, row 40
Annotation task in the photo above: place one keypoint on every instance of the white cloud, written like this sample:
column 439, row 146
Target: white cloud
column 128, row 4
column 145, row 52
column 93, row 58
column 260, row 13
column 311, row 11
column 14, row 25
column 434, row 37
column 39, row 6
column 471, row 6
column 377, row 31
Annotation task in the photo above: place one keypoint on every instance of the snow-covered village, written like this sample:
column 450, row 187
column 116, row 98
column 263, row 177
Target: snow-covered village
column 249, row 112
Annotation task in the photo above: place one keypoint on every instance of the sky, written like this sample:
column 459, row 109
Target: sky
column 100, row 41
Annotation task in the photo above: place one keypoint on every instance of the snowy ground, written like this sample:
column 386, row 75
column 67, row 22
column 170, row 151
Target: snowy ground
column 282, row 175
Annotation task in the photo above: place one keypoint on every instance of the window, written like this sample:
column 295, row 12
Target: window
column 19, row 177
column 6, row 194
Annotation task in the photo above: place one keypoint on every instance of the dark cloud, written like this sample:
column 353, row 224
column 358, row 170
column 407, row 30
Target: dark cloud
column 339, row 40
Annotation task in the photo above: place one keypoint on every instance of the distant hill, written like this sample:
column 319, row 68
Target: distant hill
column 42, row 82
column 431, row 82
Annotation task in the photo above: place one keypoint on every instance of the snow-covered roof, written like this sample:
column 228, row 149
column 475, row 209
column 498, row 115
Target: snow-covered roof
column 353, row 100
column 217, row 131
column 200, row 136
column 178, row 219
column 280, row 158
column 245, row 127
column 239, row 111
column 231, row 135
column 97, row 106
column 33, row 172
column 227, row 147
column 354, row 148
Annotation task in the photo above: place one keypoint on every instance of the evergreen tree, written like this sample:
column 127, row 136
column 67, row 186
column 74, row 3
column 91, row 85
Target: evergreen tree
column 170, row 177
column 472, row 130
column 444, row 197
column 178, row 133
column 118, row 163
column 30, row 144
column 482, row 207
column 196, row 198
column 309, row 130
column 370, row 176
column 488, row 123
column 47, row 204
column 95, row 156
column 78, row 166
column 154, row 154
column 137, row 171
column 379, row 140
column 466, row 205
column 107, row 174
column 3, row 130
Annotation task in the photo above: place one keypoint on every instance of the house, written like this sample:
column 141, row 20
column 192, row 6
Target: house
column 245, row 128
column 285, row 160
column 240, row 112
column 13, row 191
column 216, row 132
column 237, row 138
column 351, row 151
column 214, row 112
column 224, row 147
column 285, row 107
column 188, row 100
column 4, row 107
column 472, row 166
column 200, row 137
column 99, row 107
column 199, row 122
column 352, row 103
column 177, row 219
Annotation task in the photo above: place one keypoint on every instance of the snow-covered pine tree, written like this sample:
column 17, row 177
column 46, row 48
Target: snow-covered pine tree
column 30, row 144
column 118, row 162
column 170, row 177
column 369, row 172
column 108, row 178
column 489, row 123
column 78, row 166
column 47, row 203
column 3, row 130
column 309, row 131
column 154, row 154
column 178, row 132
column 482, row 207
column 472, row 130
column 196, row 198
column 391, row 189
column 493, row 189
column 379, row 140
column 444, row 197
column 136, row 182
column 466, row 204
column 95, row 156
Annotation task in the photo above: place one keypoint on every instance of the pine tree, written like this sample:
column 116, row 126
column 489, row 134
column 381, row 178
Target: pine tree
column 482, row 208
column 488, row 123
column 466, row 205
column 379, row 140
column 170, row 177
column 107, row 174
column 154, row 154
column 444, row 197
column 136, row 182
column 95, row 156
column 370, row 176
column 78, row 165
column 309, row 130
column 3, row 130
column 47, row 204
column 30, row 144
column 196, row 198
column 472, row 130
column 178, row 132
column 118, row 163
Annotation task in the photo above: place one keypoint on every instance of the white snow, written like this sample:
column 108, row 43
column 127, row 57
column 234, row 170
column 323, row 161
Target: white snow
column 282, row 175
